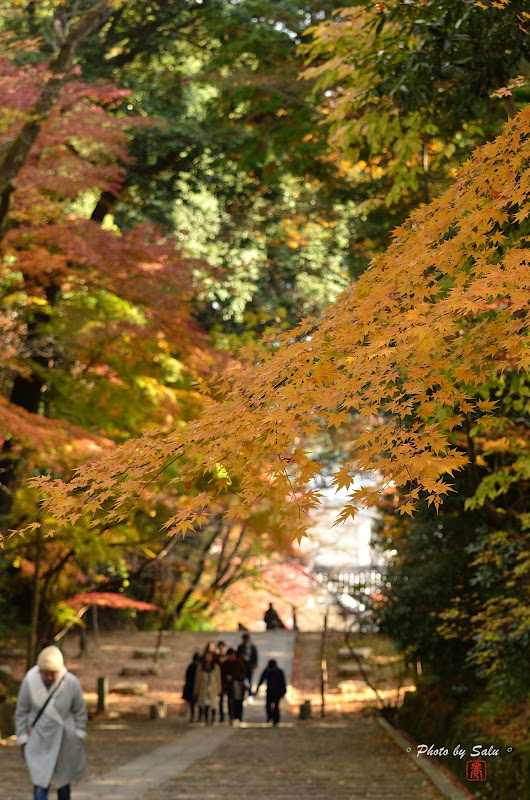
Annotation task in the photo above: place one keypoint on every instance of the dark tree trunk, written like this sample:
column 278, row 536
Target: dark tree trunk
column 104, row 206
column 26, row 393
column 27, row 390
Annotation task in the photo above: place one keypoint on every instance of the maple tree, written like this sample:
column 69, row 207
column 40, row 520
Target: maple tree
column 415, row 350
column 61, row 146
column 434, row 317
column 99, row 341
column 15, row 154
column 407, row 353
column 101, row 352
column 405, row 90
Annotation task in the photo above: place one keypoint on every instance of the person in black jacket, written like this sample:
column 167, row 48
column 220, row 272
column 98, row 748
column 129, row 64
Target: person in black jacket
column 274, row 677
column 220, row 657
column 233, row 678
column 272, row 619
column 189, row 683
column 248, row 653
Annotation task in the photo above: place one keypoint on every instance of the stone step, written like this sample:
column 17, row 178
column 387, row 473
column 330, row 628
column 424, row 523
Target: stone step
column 12, row 652
column 150, row 652
column 139, row 688
column 352, row 686
column 141, row 668
column 352, row 668
column 345, row 654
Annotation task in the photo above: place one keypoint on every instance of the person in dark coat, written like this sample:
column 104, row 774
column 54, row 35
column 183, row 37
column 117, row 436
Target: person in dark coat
column 248, row 653
column 220, row 653
column 189, row 684
column 274, row 677
column 233, row 672
column 220, row 657
column 272, row 619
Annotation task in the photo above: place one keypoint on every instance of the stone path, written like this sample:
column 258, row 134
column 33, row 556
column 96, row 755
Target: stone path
column 311, row 760
column 270, row 644
column 302, row 761
column 143, row 776
column 353, row 759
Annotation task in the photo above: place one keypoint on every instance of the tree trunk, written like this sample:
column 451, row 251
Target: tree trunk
column 27, row 390
column 11, row 466
column 95, row 625
column 26, row 393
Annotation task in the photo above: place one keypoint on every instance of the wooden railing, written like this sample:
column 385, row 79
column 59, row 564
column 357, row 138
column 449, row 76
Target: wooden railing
column 350, row 581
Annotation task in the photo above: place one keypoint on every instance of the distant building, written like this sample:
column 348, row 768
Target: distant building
column 342, row 558
column 342, row 547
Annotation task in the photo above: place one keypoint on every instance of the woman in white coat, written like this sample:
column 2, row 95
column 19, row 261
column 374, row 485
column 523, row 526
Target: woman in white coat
column 208, row 686
column 51, row 739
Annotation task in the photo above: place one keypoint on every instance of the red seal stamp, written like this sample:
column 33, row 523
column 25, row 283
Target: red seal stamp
column 476, row 770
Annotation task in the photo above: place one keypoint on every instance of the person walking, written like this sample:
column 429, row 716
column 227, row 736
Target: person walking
column 272, row 619
column 220, row 652
column 50, row 723
column 207, row 687
column 233, row 672
column 220, row 658
column 274, row 677
column 211, row 647
column 248, row 653
column 189, row 685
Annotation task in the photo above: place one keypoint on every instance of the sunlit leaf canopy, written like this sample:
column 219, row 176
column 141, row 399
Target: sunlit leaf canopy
column 99, row 343
column 404, row 351
column 172, row 189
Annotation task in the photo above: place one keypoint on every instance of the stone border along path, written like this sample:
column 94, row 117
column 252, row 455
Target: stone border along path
column 427, row 765
column 313, row 760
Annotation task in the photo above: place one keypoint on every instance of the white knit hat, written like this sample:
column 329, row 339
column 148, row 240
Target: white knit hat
column 50, row 659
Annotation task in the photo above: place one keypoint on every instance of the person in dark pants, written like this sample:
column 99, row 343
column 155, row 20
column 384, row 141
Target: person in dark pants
column 220, row 657
column 248, row 653
column 233, row 678
column 189, row 683
column 50, row 721
column 274, row 677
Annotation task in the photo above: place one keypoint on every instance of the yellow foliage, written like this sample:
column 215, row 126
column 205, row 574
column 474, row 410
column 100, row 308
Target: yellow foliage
column 441, row 312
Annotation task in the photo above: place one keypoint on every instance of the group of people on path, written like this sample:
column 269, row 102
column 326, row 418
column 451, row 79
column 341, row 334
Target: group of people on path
column 51, row 714
column 221, row 677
